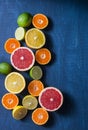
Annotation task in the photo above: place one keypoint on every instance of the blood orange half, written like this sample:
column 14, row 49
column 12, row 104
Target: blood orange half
column 22, row 58
column 51, row 99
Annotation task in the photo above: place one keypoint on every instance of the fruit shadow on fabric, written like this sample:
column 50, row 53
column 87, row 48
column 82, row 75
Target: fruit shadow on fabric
column 68, row 107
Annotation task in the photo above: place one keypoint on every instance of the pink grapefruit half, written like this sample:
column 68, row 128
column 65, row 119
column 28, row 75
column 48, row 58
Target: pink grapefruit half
column 51, row 99
column 22, row 59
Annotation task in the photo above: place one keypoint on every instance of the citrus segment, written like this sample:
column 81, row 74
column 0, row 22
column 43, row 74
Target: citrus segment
column 24, row 19
column 35, row 87
column 14, row 82
column 43, row 56
column 22, row 59
column 35, row 38
column 10, row 101
column 51, row 99
column 19, row 112
column 40, row 21
column 40, row 116
column 11, row 44
column 5, row 68
column 20, row 33
column 36, row 72
column 30, row 102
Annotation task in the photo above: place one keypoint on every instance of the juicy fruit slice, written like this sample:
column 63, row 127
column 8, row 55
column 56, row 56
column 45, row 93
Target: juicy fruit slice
column 51, row 99
column 35, row 38
column 43, row 56
column 14, row 83
column 40, row 21
column 40, row 116
column 10, row 101
column 30, row 102
column 22, row 59
column 20, row 33
column 11, row 44
column 24, row 19
column 19, row 112
column 36, row 72
column 35, row 87
column 5, row 68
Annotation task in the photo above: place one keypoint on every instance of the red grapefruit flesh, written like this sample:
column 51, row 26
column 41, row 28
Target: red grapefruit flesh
column 22, row 59
column 51, row 99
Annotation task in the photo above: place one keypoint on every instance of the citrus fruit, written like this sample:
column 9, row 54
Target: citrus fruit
column 40, row 116
column 19, row 112
column 5, row 68
column 10, row 101
column 11, row 44
column 24, row 19
column 30, row 102
column 35, row 38
column 20, row 33
column 22, row 58
column 35, row 87
column 14, row 82
column 36, row 72
column 43, row 56
column 51, row 99
column 40, row 21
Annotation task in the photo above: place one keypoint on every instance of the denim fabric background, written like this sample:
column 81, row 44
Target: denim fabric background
column 67, row 39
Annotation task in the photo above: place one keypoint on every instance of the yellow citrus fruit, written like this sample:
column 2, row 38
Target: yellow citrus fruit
column 35, row 38
column 19, row 112
column 14, row 82
column 20, row 33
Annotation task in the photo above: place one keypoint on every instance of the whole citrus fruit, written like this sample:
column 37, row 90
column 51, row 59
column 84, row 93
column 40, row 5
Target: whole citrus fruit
column 5, row 68
column 24, row 19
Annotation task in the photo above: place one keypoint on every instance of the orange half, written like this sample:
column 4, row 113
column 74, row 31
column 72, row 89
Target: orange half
column 40, row 21
column 10, row 101
column 40, row 116
column 35, row 87
column 43, row 56
column 11, row 44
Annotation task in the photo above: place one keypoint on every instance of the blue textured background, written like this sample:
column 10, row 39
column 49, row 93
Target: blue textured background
column 67, row 38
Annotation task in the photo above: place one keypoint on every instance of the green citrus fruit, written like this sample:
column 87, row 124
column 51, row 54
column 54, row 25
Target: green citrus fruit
column 5, row 68
column 24, row 19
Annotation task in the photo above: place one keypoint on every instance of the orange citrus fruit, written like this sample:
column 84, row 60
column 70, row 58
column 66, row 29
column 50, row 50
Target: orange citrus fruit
column 43, row 56
column 40, row 116
column 19, row 112
column 14, row 82
column 11, row 44
column 35, row 38
column 40, row 21
column 35, row 87
column 22, row 58
column 30, row 102
column 10, row 101
column 51, row 99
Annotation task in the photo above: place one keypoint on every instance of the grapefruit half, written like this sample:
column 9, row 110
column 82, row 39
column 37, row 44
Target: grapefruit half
column 51, row 99
column 22, row 59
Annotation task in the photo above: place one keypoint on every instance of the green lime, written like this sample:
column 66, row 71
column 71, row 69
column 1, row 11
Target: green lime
column 36, row 72
column 30, row 102
column 24, row 19
column 5, row 68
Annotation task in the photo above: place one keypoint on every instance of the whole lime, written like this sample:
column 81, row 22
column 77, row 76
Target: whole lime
column 5, row 68
column 24, row 19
